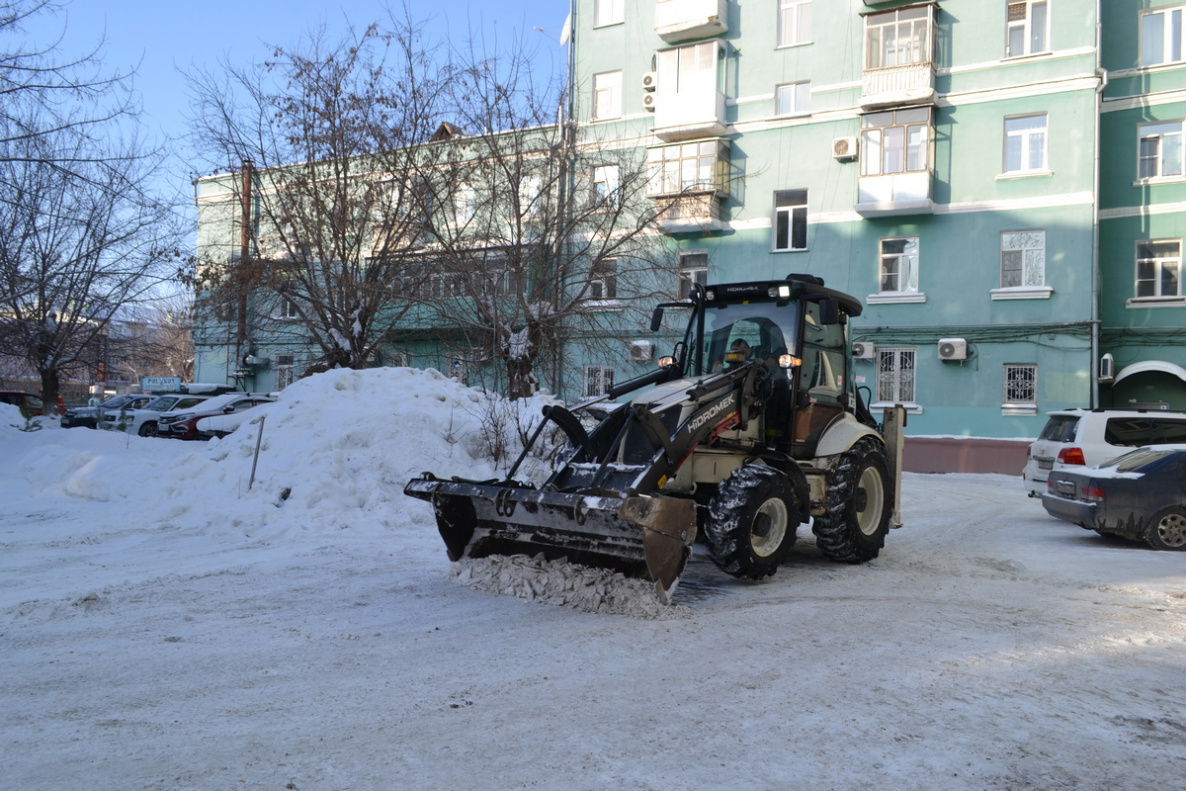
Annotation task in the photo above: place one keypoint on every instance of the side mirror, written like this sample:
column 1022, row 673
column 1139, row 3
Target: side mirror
column 657, row 319
column 226, row 410
column 829, row 312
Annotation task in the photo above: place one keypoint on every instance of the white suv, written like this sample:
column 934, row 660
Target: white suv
column 1079, row 437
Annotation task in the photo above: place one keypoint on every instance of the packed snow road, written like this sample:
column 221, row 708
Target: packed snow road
column 989, row 647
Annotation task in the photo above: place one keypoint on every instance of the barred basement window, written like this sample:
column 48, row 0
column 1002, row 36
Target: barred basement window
column 1021, row 386
column 598, row 380
column 895, row 376
column 284, row 367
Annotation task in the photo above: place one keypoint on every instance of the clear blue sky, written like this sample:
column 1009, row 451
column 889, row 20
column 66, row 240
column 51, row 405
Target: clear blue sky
column 162, row 38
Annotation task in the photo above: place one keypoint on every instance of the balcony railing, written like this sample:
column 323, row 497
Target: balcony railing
column 681, row 20
column 913, row 83
column 691, row 212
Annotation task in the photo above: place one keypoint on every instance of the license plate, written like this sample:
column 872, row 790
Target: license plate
column 1066, row 489
column 1045, row 464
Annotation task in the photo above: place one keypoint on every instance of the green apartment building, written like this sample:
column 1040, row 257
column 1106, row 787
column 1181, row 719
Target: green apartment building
column 1000, row 182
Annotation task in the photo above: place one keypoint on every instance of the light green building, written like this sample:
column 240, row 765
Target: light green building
column 999, row 181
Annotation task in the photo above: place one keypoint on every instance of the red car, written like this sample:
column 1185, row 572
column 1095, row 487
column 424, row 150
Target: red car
column 214, row 417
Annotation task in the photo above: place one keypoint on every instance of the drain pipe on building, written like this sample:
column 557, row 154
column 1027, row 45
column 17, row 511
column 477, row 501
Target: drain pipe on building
column 1102, row 76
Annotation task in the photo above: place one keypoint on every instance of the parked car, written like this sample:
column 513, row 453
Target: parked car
column 1140, row 496
column 143, row 421
column 214, row 417
column 29, row 404
column 88, row 416
column 1085, row 438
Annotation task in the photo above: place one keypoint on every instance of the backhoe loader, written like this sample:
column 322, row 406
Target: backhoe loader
column 750, row 428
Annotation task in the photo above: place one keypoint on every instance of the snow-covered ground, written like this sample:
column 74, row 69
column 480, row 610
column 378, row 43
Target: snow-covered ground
column 163, row 627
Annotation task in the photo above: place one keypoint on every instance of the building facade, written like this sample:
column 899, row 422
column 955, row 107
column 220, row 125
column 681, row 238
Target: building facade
column 1001, row 182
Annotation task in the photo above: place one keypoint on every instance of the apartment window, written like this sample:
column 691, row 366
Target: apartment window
column 605, row 186
column 1025, row 143
column 464, row 204
column 895, row 375
column 693, row 269
column 607, row 95
column 790, row 220
column 1159, row 269
column 598, row 380
column 898, row 38
column 608, row 12
column 1159, row 150
column 899, row 265
column 688, row 166
column 284, row 366
column 1026, row 28
column 793, row 99
column 288, row 309
column 794, row 22
column 1023, row 258
column 603, row 280
column 1161, row 36
column 895, row 142
column 1021, row 386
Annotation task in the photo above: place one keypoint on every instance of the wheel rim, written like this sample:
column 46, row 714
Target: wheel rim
column 870, row 501
column 769, row 528
column 1172, row 530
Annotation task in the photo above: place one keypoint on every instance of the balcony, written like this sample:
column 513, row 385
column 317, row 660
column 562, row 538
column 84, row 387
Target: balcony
column 894, row 194
column 680, row 20
column 913, row 83
column 691, row 212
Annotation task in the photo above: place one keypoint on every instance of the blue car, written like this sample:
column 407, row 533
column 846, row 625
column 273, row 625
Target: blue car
column 1140, row 496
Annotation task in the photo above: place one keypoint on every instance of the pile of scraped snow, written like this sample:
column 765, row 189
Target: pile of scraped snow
column 567, row 584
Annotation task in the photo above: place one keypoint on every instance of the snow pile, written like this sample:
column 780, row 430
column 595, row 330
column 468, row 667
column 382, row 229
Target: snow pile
column 567, row 584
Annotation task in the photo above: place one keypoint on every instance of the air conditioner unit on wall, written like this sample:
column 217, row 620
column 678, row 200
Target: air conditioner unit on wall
column 863, row 350
column 648, row 81
column 844, row 148
column 640, row 351
column 953, row 349
column 648, row 101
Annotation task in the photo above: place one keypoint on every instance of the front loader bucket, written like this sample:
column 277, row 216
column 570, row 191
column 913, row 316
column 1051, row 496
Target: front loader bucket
column 648, row 537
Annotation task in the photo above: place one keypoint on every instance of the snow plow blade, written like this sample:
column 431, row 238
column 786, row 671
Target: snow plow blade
column 640, row 536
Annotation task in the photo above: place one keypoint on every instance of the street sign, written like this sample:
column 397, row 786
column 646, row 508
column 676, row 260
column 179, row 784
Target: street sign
column 149, row 384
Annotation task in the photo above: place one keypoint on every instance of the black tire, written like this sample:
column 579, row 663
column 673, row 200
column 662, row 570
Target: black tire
column 859, row 505
column 1167, row 530
column 149, row 429
column 751, row 521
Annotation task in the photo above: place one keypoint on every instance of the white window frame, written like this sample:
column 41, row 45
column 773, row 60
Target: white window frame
column 1162, row 265
column 884, row 30
column 596, row 380
column 906, row 263
column 607, row 96
column 793, row 98
column 897, row 378
column 794, row 22
column 1025, row 27
column 1029, row 249
column 603, row 282
column 1160, row 147
column 288, row 310
column 1170, row 45
column 693, row 268
column 790, row 215
column 1019, row 394
column 1028, row 139
column 608, row 12
column 605, row 183
column 285, row 364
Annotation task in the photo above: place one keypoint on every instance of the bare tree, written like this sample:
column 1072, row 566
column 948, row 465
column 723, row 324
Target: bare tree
column 76, row 248
column 545, row 241
column 45, row 93
column 331, row 202
column 155, row 338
